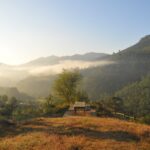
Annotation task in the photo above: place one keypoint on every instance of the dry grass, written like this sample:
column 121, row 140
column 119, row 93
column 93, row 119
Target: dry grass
column 76, row 133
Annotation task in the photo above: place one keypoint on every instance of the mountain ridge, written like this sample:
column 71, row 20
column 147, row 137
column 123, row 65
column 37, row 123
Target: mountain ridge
column 129, row 66
column 50, row 60
column 54, row 57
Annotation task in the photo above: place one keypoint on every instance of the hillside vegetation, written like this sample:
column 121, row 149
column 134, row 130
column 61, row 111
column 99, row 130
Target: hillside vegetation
column 136, row 99
column 124, row 67
column 129, row 66
column 75, row 133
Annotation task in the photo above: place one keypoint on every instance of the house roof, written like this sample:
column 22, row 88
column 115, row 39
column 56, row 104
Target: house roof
column 79, row 104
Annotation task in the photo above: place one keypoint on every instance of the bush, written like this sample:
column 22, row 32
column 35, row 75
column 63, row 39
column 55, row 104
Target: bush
column 61, row 109
column 101, row 110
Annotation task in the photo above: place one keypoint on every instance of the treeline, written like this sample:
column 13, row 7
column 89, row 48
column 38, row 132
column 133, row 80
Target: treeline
column 14, row 110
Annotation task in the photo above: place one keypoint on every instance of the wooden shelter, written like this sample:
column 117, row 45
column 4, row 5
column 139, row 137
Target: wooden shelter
column 79, row 108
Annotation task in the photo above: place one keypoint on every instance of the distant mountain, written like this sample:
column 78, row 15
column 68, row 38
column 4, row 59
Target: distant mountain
column 43, row 61
column 13, row 92
column 140, row 50
column 92, row 56
column 128, row 66
column 11, row 75
column 125, row 67
column 51, row 60
column 39, row 86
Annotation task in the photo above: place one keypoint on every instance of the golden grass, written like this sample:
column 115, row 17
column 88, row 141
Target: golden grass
column 77, row 133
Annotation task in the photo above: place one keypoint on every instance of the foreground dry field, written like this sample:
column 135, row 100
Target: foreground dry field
column 76, row 133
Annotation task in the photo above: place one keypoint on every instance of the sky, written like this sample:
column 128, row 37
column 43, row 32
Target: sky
column 37, row 28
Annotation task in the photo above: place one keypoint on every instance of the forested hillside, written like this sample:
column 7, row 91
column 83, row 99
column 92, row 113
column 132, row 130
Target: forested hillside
column 136, row 98
column 125, row 67
column 129, row 65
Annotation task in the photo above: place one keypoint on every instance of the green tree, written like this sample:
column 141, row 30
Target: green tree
column 8, row 106
column 65, row 86
column 48, row 105
column 102, row 110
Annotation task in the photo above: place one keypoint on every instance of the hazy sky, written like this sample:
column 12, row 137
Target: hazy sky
column 35, row 28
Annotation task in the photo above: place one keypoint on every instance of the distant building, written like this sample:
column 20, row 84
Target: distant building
column 79, row 108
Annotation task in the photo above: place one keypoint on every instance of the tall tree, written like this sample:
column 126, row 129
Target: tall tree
column 65, row 86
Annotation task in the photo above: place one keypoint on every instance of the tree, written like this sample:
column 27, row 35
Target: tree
column 48, row 106
column 65, row 86
column 102, row 110
column 8, row 106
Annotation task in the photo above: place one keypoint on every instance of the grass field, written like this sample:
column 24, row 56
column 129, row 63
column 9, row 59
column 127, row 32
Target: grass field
column 76, row 133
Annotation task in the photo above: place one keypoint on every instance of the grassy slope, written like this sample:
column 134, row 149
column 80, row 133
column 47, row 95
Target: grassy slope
column 75, row 133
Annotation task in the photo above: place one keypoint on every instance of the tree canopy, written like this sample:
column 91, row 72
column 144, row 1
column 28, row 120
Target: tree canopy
column 65, row 86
